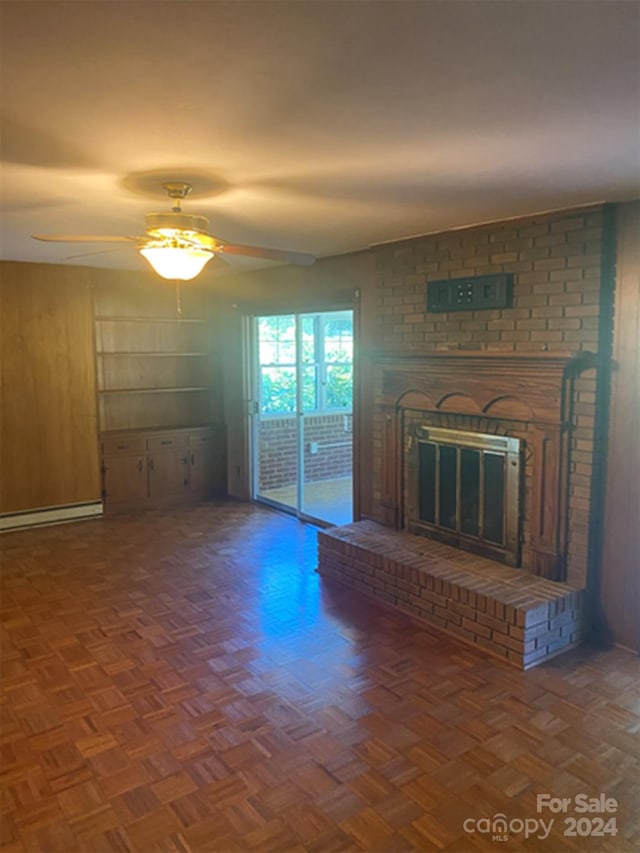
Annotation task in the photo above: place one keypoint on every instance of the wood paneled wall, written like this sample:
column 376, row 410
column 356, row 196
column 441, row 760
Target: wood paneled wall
column 48, row 434
column 236, row 393
column 620, row 568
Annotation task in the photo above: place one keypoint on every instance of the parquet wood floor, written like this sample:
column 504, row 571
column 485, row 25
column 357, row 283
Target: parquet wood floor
column 184, row 681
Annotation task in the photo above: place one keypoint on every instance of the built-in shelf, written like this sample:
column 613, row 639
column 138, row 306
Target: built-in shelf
column 134, row 353
column 179, row 390
column 123, row 318
column 171, row 427
column 155, row 369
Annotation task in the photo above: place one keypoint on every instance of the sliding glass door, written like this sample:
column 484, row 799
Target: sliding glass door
column 302, row 414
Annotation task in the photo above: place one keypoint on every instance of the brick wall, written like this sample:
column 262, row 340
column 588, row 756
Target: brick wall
column 556, row 262
column 478, row 601
column 277, row 443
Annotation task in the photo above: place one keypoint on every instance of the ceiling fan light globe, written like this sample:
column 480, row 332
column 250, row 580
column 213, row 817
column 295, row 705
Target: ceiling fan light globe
column 176, row 262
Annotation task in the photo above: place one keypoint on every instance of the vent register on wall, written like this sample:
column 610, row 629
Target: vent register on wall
column 159, row 382
column 473, row 293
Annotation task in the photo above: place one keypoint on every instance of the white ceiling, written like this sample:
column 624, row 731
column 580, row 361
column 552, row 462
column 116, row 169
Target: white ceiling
column 316, row 126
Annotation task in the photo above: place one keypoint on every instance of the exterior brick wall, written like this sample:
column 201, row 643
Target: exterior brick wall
column 277, row 443
column 556, row 263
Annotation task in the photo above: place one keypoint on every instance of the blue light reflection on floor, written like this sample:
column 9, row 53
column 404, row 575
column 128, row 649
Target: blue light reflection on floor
column 290, row 611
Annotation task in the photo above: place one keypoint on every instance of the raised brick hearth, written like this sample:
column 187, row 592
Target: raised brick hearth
column 510, row 613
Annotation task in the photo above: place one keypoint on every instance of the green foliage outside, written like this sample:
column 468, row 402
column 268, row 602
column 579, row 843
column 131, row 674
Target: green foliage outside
column 339, row 389
column 278, row 389
column 277, row 357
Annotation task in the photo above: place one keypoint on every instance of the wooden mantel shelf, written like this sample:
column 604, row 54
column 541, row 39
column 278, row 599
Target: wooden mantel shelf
column 505, row 385
column 583, row 360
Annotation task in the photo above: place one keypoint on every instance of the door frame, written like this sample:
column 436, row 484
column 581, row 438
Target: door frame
column 253, row 413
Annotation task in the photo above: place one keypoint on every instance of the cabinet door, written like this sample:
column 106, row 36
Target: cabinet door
column 202, row 469
column 125, row 479
column 207, row 462
column 168, row 474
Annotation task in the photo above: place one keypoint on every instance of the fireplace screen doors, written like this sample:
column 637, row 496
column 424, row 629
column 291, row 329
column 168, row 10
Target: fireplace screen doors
column 464, row 488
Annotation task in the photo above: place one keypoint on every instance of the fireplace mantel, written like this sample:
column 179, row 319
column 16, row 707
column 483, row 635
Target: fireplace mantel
column 503, row 389
column 506, row 386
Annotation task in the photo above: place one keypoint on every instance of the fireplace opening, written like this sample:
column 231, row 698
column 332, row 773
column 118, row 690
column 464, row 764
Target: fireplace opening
column 464, row 488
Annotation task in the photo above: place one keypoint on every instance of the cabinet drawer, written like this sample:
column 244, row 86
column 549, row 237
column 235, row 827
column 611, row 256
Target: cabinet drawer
column 114, row 446
column 168, row 441
column 205, row 437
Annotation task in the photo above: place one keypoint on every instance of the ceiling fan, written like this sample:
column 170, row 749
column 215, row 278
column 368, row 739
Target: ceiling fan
column 178, row 245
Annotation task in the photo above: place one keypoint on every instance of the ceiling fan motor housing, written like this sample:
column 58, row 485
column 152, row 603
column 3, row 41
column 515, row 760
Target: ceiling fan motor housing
column 170, row 224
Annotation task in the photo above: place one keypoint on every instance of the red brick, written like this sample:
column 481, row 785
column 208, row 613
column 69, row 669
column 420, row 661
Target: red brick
column 549, row 264
column 574, row 224
column 534, row 230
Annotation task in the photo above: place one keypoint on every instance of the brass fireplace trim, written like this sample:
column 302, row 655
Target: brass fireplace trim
column 506, row 446
column 531, row 389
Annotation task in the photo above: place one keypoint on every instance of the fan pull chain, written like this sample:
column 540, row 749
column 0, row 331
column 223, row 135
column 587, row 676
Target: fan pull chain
column 178, row 300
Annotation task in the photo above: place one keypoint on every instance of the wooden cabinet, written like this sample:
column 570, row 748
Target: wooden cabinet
column 206, row 464
column 159, row 388
column 161, row 467
column 168, row 465
column 125, row 459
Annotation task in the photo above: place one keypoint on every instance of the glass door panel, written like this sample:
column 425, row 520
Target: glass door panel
column 309, row 406
column 303, row 416
column 275, row 433
column 327, row 491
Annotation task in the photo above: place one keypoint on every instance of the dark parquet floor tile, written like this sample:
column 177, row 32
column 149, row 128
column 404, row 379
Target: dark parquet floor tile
column 183, row 681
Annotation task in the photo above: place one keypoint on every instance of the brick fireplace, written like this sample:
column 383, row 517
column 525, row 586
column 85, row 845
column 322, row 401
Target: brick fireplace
column 442, row 400
column 525, row 397
column 523, row 373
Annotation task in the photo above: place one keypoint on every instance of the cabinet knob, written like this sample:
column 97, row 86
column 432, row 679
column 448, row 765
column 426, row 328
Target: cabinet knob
column 140, row 466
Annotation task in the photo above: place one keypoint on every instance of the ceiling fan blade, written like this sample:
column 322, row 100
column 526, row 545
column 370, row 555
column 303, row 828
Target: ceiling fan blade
column 90, row 254
column 85, row 238
column 266, row 254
